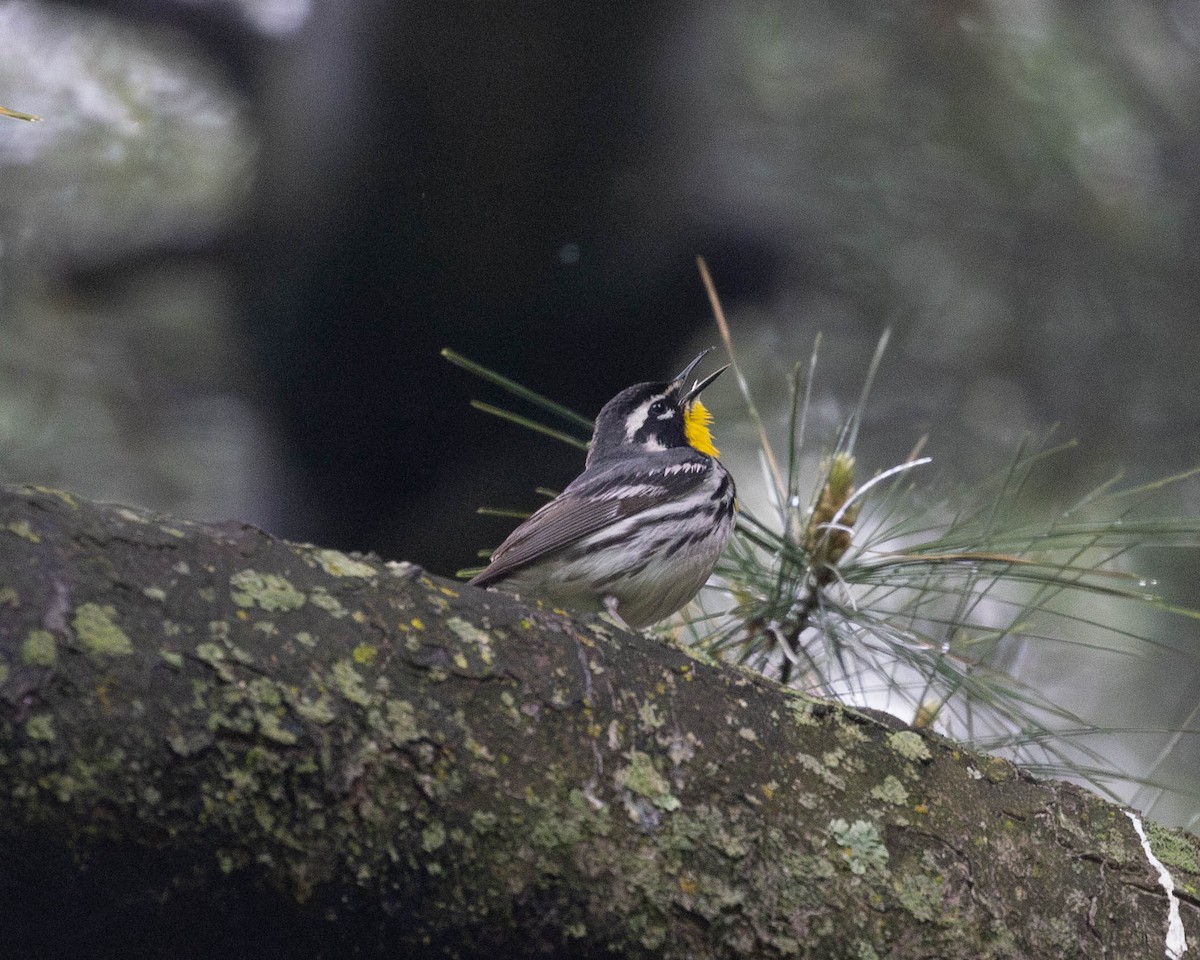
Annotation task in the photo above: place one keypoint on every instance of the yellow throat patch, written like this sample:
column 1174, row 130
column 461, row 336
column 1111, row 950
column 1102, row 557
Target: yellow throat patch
column 696, row 419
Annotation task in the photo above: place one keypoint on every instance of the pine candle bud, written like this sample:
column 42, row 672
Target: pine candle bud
column 825, row 544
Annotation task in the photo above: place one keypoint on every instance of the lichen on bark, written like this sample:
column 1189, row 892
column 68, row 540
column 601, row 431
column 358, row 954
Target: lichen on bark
column 190, row 740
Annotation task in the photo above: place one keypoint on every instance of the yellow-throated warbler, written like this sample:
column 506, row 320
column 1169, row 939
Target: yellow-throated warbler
column 640, row 530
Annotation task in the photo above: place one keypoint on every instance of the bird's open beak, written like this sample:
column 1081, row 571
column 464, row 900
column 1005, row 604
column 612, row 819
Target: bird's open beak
column 700, row 384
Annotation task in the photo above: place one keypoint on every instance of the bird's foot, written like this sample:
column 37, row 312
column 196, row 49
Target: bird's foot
column 610, row 610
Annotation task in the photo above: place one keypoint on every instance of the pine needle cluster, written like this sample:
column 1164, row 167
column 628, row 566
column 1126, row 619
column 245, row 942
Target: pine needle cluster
column 943, row 610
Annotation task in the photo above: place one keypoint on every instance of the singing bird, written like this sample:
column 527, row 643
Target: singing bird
column 639, row 531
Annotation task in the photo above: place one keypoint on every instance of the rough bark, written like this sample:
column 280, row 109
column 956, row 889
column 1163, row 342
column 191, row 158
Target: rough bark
column 215, row 743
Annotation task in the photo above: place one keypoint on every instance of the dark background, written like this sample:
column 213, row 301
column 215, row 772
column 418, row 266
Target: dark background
column 231, row 252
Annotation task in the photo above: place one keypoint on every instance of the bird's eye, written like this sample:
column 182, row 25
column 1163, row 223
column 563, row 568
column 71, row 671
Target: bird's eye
column 658, row 408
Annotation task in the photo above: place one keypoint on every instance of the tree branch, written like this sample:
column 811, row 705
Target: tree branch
column 210, row 736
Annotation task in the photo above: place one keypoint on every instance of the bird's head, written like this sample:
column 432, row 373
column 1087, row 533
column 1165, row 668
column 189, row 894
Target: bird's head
column 651, row 417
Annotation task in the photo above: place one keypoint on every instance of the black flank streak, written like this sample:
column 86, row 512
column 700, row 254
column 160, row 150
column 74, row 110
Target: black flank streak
column 622, row 574
column 599, row 545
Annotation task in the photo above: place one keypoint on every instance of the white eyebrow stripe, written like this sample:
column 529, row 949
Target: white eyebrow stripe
column 636, row 420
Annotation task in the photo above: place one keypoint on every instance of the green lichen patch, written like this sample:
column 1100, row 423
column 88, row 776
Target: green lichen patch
column 997, row 769
column 467, row 632
column 171, row 658
column 909, row 745
column 803, row 710
column 398, row 721
column 555, row 833
column 433, row 837
column 269, row 712
column 347, row 681
column 40, row 727
column 337, row 564
column 23, row 530
column 96, row 629
column 642, row 778
column 890, row 791
column 649, row 716
column 271, row 726
column 319, row 710
column 322, row 598
column 40, row 649
column 861, row 844
column 9, row 597
column 922, row 894
column 1173, row 849
column 267, row 591
column 62, row 495
column 472, row 635
column 555, row 827
column 216, row 656
column 851, row 726
column 811, row 763
column 211, row 653
column 834, row 758
column 187, row 743
column 83, row 777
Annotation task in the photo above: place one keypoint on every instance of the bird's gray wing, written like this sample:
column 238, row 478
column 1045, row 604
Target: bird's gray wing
column 595, row 499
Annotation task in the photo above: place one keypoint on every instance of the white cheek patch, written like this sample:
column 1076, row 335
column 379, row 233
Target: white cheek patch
column 668, row 415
